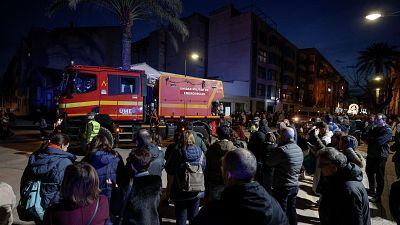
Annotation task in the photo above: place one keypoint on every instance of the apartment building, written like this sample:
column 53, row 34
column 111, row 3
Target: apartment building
column 261, row 69
column 324, row 86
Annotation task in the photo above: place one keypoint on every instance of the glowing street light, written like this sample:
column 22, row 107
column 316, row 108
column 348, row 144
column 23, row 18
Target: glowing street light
column 377, row 15
column 378, row 78
column 373, row 16
column 194, row 56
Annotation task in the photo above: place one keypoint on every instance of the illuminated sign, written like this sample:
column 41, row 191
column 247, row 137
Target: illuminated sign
column 353, row 109
column 127, row 111
column 193, row 91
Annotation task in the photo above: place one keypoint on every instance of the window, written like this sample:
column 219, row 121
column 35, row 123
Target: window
column 287, row 80
column 81, row 83
column 239, row 107
column 262, row 37
column 127, row 85
column 262, row 72
column 262, row 56
column 273, row 41
column 289, row 66
column 260, row 91
column 288, row 52
column 274, row 59
column 118, row 84
column 272, row 74
column 269, row 90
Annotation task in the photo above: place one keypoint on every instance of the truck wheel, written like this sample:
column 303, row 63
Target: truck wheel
column 203, row 131
column 107, row 134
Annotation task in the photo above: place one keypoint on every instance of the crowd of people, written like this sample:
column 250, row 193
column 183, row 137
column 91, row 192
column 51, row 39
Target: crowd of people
column 238, row 180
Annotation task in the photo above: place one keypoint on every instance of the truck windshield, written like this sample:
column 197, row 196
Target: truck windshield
column 79, row 83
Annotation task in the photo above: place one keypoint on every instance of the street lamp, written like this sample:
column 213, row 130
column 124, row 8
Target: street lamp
column 194, row 56
column 377, row 15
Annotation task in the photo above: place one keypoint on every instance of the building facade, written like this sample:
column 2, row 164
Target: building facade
column 244, row 46
column 261, row 69
column 324, row 86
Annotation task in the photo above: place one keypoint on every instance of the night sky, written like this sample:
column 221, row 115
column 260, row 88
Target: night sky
column 337, row 28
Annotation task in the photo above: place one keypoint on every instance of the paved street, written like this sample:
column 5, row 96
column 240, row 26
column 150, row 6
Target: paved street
column 14, row 153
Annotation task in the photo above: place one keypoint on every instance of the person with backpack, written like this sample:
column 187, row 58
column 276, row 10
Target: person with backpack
column 82, row 202
column 109, row 166
column 42, row 178
column 185, row 171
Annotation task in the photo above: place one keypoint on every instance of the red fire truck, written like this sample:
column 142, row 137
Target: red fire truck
column 125, row 101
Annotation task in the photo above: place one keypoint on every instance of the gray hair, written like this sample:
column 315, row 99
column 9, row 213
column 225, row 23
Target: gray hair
column 241, row 163
column 333, row 155
column 288, row 133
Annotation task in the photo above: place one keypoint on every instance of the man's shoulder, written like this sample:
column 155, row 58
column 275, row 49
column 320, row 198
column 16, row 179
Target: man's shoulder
column 289, row 147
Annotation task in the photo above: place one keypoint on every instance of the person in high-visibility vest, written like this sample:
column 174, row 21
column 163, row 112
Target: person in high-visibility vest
column 92, row 128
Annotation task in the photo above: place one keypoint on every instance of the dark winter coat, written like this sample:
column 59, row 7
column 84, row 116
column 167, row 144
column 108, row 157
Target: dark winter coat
column 176, row 166
column 48, row 166
column 378, row 141
column 247, row 203
column 64, row 214
column 286, row 161
column 214, row 160
column 108, row 166
column 157, row 160
column 142, row 207
column 264, row 174
column 344, row 198
column 257, row 140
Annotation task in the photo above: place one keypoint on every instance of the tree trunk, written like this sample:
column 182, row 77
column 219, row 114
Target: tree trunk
column 126, row 46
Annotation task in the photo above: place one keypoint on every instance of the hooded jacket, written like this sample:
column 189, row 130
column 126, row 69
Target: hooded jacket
column 256, row 142
column 176, row 167
column 143, row 203
column 106, row 165
column 344, row 198
column 48, row 166
column 247, row 203
column 157, row 159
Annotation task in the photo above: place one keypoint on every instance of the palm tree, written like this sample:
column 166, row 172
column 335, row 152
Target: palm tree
column 378, row 59
column 129, row 11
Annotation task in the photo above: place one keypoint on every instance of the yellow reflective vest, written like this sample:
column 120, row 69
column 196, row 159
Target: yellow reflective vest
column 92, row 129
